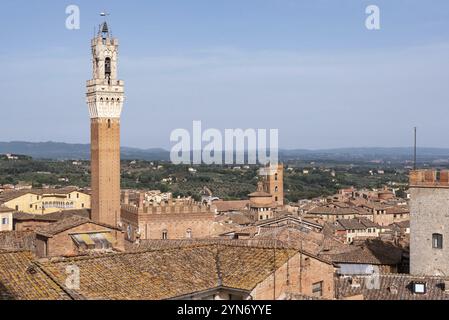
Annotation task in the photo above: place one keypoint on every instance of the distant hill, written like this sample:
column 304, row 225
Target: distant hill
column 60, row 151
column 423, row 154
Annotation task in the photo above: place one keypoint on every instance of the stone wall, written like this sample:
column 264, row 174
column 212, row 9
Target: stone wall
column 429, row 213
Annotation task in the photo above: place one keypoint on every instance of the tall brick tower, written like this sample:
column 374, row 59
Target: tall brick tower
column 105, row 96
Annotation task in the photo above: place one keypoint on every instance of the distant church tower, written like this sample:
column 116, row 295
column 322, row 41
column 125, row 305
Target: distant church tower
column 105, row 96
column 273, row 182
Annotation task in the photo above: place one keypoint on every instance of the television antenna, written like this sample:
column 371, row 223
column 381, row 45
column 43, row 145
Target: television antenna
column 414, row 150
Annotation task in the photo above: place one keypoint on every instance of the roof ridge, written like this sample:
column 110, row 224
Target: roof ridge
column 145, row 250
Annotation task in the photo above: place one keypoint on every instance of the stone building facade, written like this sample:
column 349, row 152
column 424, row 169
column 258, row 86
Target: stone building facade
column 6, row 219
column 429, row 222
column 45, row 201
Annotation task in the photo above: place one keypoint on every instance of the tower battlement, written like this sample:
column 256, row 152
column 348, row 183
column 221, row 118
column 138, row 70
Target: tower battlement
column 104, row 82
column 106, row 41
column 430, row 178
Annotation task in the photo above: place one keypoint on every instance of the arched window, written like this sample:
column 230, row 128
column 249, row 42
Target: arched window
column 276, row 177
column 107, row 68
column 437, row 241
column 189, row 234
column 109, row 123
column 164, row 235
column 276, row 189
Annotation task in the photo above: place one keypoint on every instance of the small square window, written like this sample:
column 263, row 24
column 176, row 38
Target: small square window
column 317, row 289
column 419, row 287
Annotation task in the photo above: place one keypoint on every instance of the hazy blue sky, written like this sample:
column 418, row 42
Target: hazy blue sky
column 309, row 68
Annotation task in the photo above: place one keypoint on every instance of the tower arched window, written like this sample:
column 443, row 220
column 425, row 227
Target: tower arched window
column 437, row 241
column 276, row 177
column 276, row 189
column 107, row 68
column 164, row 235
column 109, row 123
column 189, row 234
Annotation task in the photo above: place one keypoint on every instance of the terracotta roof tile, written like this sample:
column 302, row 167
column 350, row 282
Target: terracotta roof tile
column 391, row 287
column 169, row 273
column 372, row 251
column 226, row 206
column 66, row 224
column 21, row 279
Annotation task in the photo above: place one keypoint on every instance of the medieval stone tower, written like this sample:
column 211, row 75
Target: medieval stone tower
column 105, row 96
column 273, row 182
column 429, row 222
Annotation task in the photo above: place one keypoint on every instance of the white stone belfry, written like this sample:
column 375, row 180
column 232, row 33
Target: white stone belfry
column 105, row 94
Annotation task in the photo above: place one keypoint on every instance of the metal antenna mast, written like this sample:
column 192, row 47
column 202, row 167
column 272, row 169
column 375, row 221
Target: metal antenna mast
column 414, row 152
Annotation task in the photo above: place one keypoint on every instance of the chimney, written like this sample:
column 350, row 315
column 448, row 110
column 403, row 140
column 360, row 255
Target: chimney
column 393, row 289
column 446, row 286
column 141, row 199
column 126, row 197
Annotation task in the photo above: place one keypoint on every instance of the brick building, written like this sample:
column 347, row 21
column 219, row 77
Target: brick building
column 30, row 222
column 261, row 204
column 77, row 235
column 172, row 219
